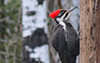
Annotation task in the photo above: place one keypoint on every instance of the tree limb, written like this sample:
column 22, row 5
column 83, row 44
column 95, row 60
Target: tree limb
column 60, row 5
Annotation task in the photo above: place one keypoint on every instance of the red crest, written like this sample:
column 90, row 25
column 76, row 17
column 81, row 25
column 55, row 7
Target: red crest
column 54, row 14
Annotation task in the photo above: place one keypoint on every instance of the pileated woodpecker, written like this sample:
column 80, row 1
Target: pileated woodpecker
column 64, row 38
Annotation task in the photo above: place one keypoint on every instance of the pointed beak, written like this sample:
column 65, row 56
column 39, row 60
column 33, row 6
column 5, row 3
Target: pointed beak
column 72, row 9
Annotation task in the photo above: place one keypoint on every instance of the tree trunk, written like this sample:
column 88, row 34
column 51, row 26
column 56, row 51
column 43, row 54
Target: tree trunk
column 90, row 31
column 35, row 45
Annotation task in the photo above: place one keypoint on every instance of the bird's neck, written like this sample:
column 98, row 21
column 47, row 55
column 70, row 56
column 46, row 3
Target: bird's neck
column 61, row 23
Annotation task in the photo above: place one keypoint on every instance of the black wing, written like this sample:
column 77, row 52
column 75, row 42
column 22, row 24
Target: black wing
column 72, row 39
column 58, row 41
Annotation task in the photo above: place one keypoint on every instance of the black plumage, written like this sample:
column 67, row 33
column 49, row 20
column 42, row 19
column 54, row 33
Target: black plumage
column 66, row 42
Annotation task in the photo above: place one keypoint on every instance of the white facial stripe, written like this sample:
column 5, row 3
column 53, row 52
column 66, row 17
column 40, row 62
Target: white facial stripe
column 60, row 20
column 63, row 15
column 62, row 23
column 68, row 16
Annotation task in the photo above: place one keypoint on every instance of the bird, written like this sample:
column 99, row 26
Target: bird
column 64, row 38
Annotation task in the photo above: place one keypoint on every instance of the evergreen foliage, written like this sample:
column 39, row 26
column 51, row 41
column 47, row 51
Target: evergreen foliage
column 10, row 32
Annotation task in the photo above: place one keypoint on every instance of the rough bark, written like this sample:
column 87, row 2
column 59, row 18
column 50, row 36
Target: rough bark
column 90, row 31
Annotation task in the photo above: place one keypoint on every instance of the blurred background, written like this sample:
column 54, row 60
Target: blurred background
column 25, row 29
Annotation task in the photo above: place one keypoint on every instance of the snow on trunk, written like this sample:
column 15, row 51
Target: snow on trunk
column 38, row 20
column 42, row 53
column 34, row 16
